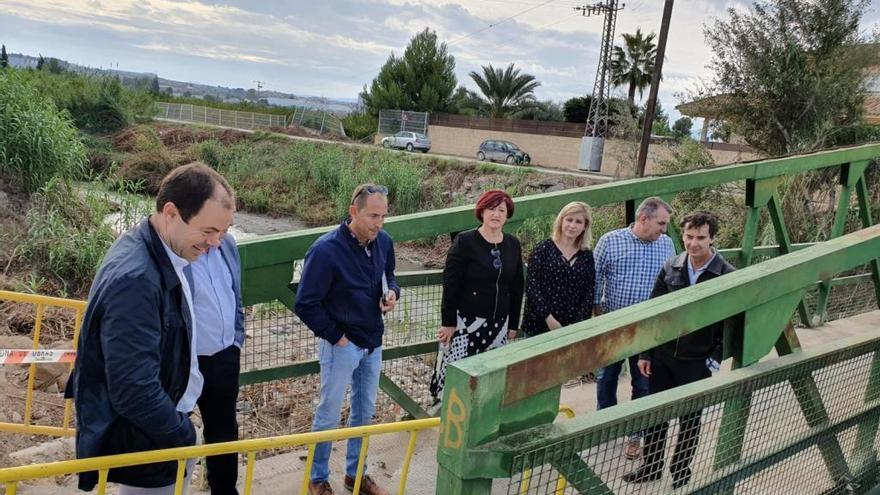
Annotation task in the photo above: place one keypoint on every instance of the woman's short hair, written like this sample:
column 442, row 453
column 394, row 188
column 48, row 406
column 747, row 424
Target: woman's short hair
column 491, row 199
column 585, row 240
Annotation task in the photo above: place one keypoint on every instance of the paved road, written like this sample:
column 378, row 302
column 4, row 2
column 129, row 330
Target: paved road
column 545, row 170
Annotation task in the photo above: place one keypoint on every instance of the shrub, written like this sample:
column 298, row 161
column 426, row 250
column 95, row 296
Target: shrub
column 37, row 142
column 360, row 125
column 96, row 103
column 67, row 232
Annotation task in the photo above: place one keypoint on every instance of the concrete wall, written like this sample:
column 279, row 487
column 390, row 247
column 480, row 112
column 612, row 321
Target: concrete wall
column 562, row 152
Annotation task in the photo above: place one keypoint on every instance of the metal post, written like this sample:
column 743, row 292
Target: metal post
column 593, row 142
column 324, row 116
column 655, row 85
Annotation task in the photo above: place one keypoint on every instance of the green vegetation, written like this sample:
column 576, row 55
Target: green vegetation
column 242, row 106
column 791, row 72
column 422, row 80
column 96, row 104
column 37, row 142
column 313, row 182
column 682, row 127
column 66, row 234
column 505, row 92
column 360, row 124
column 633, row 64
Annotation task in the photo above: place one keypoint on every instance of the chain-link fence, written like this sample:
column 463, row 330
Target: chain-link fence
column 798, row 428
column 319, row 120
column 278, row 340
column 394, row 121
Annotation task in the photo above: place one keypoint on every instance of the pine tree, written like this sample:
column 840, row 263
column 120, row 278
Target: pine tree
column 422, row 80
column 4, row 59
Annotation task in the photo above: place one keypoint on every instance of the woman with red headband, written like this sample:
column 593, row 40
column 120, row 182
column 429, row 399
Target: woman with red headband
column 482, row 287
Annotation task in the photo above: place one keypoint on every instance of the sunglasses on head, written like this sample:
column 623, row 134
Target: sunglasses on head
column 369, row 189
column 496, row 255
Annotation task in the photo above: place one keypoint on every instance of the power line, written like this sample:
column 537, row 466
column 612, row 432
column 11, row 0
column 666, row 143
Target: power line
column 502, row 21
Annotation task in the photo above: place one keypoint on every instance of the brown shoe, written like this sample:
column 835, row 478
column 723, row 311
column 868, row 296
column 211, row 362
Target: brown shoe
column 320, row 488
column 633, row 449
column 368, row 486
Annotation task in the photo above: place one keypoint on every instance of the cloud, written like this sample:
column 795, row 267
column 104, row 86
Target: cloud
column 334, row 48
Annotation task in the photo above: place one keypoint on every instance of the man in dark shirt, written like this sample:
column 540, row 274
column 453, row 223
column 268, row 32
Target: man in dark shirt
column 686, row 359
column 347, row 284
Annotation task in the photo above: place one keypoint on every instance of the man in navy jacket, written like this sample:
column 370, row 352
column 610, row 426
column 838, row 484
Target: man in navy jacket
column 136, row 377
column 347, row 284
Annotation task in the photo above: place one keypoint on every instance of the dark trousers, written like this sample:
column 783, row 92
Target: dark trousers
column 668, row 372
column 217, row 405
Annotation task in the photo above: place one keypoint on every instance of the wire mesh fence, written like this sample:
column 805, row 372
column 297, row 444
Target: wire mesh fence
column 277, row 338
column 791, row 431
column 319, row 120
column 393, row 121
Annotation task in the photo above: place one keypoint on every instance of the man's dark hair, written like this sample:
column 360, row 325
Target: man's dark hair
column 699, row 218
column 189, row 186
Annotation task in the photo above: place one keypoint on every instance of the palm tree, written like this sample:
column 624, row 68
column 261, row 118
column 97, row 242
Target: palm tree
column 633, row 65
column 505, row 92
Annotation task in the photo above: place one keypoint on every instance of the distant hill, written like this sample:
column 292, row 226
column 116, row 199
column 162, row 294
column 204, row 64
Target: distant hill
column 340, row 106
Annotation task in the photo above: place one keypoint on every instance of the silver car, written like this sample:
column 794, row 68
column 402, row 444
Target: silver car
column 410, row 141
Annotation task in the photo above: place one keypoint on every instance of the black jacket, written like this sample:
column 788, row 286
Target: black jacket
column 474, row 287
column 133, row 361
column 705, row 342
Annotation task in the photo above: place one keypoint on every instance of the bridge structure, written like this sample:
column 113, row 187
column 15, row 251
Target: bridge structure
column 802, row 421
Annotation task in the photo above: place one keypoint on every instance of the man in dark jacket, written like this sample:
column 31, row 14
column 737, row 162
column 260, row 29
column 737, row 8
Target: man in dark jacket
column 137, row 377
column 347, row 284
column 686, row 359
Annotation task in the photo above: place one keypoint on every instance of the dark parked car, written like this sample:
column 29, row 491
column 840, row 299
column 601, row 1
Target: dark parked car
column 502, row 151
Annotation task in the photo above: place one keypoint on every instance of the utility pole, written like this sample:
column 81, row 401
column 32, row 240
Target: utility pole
column 655, row 86
column 593, row 143
column 259, row 87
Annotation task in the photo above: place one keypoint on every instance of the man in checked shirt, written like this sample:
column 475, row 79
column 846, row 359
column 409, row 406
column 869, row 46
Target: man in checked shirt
column 627, row 263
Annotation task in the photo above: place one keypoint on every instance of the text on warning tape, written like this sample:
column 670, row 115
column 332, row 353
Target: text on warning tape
column 28, row 356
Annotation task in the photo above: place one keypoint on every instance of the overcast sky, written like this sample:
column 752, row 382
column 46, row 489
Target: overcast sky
column 332, row 48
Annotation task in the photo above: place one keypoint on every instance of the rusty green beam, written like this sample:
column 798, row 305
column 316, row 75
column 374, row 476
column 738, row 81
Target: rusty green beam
column 600, row 341
column 591, row 430
column 486, row 394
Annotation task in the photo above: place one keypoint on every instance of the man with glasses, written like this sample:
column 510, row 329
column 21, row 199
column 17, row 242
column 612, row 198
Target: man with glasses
column 347, row 284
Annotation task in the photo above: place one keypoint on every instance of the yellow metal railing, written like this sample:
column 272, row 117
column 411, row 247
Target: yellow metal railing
column 561, row 483
column 41, row 303
column 10, row 477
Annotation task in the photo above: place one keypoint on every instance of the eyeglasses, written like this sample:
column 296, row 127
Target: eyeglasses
column 369, row 189
column 496, row 261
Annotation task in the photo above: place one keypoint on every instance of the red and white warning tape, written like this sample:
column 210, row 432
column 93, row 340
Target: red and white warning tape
column 27, row 356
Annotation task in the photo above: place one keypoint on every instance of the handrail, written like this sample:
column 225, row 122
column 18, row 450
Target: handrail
column 522, row 379
column 589, row 431
column 267, row 261
column 12, row 476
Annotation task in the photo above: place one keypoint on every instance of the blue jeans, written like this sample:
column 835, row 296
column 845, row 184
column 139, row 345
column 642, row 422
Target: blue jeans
column 339, row 367
column 606, row 382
